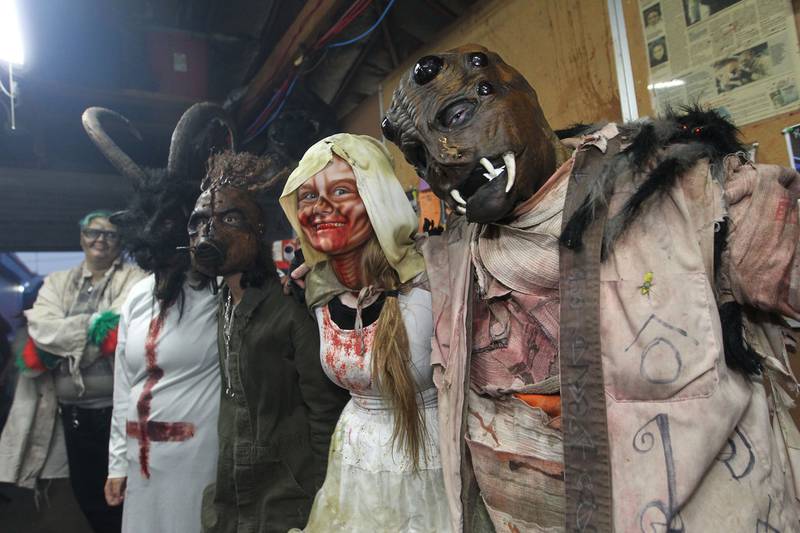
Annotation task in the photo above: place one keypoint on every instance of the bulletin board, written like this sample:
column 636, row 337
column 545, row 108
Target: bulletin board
column 723, row 33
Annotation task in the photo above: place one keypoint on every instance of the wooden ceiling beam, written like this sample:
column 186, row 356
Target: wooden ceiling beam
column 315, row 17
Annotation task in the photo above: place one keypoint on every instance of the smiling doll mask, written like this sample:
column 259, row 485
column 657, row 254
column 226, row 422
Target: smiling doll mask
column 344, row 192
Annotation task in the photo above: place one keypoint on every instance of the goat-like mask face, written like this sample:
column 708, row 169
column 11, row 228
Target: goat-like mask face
column 154, row 225
column 472, row 127
column 225, row 231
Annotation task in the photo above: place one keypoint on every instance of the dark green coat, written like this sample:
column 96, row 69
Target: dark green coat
column 275, row 431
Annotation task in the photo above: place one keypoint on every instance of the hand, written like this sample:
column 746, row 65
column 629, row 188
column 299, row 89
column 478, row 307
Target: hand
column 298, row 275
column 115, row 490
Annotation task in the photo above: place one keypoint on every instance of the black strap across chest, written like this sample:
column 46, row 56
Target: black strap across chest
column 587, row 468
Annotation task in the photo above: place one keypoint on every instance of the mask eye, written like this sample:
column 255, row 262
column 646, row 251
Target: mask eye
column 457, row 113
column 427, row 68
column 485, row 88
column 232, row 219
column 478, row 59
column 307, row 196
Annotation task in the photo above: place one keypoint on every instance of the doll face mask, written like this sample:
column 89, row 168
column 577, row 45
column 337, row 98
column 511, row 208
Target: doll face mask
column 331, row 213
column 225, row 229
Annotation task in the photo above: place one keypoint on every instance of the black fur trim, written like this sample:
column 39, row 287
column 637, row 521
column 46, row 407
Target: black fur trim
column 739, row 355
column 659, row 181
column 691, row 134
column 708, row 127
column 644, row 146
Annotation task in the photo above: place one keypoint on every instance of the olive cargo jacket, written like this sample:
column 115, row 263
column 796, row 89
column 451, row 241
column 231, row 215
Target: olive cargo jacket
column 274, row 432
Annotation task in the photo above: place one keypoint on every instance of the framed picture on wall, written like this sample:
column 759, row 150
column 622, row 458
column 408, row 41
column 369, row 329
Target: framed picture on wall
column 740, row 57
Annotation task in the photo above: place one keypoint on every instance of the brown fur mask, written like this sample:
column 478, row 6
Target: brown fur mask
column 453, row 109
column 226, row 228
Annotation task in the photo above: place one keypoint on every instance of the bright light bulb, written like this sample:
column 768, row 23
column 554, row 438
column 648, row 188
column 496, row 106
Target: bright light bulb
column 10, row 33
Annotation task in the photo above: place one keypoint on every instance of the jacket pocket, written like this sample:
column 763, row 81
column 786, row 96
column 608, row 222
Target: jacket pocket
column 283, row 502
column 660, row 343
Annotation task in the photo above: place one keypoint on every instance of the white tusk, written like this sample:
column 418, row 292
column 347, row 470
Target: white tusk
column 511, row 168
column 488, row 176
column 457, row 197
column 488, row 166
column 461, row 210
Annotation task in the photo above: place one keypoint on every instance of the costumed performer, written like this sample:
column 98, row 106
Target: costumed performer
column 369, row 293
column 278, row 409
column 608, row 320
column 163, row 446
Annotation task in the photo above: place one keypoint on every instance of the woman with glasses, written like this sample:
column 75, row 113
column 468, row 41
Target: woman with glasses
column 67, row 368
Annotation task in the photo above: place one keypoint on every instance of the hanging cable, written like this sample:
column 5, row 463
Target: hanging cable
column 370, row 30
column 276, row 103
column 352, row 13
column 265, row 112
column 276, row 113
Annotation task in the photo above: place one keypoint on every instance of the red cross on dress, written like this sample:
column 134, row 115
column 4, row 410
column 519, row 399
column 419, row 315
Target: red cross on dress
column 145, row 430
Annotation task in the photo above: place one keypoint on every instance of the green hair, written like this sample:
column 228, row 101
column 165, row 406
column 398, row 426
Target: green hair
column 100, row 213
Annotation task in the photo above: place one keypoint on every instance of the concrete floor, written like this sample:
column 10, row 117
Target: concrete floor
column 58, row 512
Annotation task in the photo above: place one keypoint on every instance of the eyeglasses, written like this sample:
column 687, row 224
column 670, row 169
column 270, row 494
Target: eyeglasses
column 92, row 235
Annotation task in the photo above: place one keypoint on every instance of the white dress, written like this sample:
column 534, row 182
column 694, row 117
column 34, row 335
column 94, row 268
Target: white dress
column 369, row 486
column 166, row 405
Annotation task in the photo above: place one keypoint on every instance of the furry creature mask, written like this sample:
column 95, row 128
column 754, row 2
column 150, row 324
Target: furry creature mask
column 472, row 127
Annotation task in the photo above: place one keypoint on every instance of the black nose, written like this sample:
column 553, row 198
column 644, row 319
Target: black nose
column 388, row 129
column 427, row 68
column 210, row 254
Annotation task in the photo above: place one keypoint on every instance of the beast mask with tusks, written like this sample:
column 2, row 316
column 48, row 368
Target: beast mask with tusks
column 227, row 226
column 472, row 127
column 153, row 227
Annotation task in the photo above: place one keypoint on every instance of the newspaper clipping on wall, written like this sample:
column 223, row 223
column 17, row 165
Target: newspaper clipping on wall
column 740, row 57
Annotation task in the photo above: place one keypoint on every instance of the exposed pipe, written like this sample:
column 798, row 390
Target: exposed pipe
column 11, row 95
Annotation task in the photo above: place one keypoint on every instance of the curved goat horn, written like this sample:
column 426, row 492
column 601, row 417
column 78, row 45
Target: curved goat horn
column 93, row 124
column 185, row 137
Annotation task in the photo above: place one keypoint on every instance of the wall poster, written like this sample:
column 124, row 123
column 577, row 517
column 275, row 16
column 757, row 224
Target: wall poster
column 740, row 57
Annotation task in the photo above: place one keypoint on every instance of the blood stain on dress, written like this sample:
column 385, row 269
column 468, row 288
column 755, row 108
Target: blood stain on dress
column 145, row 430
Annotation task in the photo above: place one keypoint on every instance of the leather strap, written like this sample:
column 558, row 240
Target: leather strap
column 587, row 469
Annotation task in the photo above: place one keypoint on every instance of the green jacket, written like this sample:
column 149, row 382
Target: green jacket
column 275, row 431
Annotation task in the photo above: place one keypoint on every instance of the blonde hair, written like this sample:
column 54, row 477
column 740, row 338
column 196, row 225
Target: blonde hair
column 391, row 355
